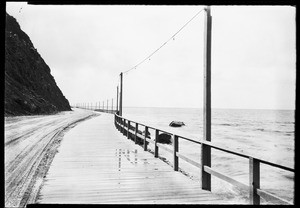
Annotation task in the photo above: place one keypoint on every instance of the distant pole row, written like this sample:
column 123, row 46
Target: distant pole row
column 103, row 108
column 110, row 106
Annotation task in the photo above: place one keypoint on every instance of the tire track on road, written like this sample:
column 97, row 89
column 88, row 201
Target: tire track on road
column 22, row 169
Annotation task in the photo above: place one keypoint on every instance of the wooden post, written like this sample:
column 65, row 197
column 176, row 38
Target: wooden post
column 121, row 95
column 107, row 107
column 136, row 131
column 175, row 150
column 206, row 150
column 155, row 143
column 145, row 138
column 128, row 127
column 122, row 125
column 117, row 98
column 254, row 182
column 125, row 125
column 119, row 122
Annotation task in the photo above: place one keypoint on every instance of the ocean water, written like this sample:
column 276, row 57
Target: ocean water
column 266, row 134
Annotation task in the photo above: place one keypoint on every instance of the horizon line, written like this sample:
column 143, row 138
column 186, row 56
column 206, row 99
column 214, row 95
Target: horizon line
column 212, row 108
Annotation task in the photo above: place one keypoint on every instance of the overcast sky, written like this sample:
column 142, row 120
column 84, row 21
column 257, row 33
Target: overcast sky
column 87, row 47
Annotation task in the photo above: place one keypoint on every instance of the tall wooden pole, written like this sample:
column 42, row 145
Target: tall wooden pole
column 121, row 94
column 117, row 98
column 206, row 150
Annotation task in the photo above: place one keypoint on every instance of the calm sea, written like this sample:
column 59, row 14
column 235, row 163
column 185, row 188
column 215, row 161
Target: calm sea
column 266, row 134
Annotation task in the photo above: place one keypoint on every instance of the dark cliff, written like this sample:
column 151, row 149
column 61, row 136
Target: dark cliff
column 30, row 89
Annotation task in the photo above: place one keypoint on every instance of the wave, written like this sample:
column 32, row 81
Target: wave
column 227, row 124
column 275, row 131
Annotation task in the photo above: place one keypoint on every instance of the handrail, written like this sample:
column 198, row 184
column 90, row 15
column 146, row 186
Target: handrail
column 254, row 162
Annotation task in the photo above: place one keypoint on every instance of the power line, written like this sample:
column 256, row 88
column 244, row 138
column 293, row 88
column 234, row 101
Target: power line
column 172, row 37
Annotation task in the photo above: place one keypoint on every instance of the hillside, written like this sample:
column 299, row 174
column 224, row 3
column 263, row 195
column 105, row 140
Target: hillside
column 30, row 89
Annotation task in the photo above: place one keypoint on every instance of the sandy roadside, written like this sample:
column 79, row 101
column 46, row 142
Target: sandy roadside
column 31, row 143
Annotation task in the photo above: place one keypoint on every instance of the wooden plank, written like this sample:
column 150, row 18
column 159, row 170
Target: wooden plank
column 226, row 178
column 105, row 167
column 192, row 162
column 272, row 198
column 165, row 148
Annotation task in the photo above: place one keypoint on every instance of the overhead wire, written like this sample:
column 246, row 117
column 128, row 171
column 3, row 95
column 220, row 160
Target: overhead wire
column 172, row 37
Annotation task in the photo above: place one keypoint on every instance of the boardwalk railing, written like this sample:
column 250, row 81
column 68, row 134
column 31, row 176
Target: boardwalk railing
column 139, row 133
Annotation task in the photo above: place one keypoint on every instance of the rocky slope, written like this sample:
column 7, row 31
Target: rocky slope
column 30, row 89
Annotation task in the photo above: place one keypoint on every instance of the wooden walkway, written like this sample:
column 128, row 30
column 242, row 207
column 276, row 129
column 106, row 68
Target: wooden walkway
column 96, row 164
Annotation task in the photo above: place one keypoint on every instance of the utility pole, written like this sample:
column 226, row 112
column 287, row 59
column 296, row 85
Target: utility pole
column 206, row 150
column 107, row 106
column 117, row 97
column 121, row 94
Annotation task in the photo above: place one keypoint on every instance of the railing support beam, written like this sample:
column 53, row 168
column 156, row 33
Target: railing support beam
column 175, row 150
column 155, row 143
column 128, row 127
column 254, row 181
column 136, row 131
column 145, row 138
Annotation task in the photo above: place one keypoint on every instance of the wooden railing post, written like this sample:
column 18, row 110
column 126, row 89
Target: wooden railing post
column 254, row 181
column 145, row 138
column 136, row 131
column 122, row 125
column 155, row 143
column 205, row 161
column 175, row 150
column 128, row 127
column 117, row 122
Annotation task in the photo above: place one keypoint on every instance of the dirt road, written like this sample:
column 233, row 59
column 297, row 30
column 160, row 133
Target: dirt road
column 30, row 145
